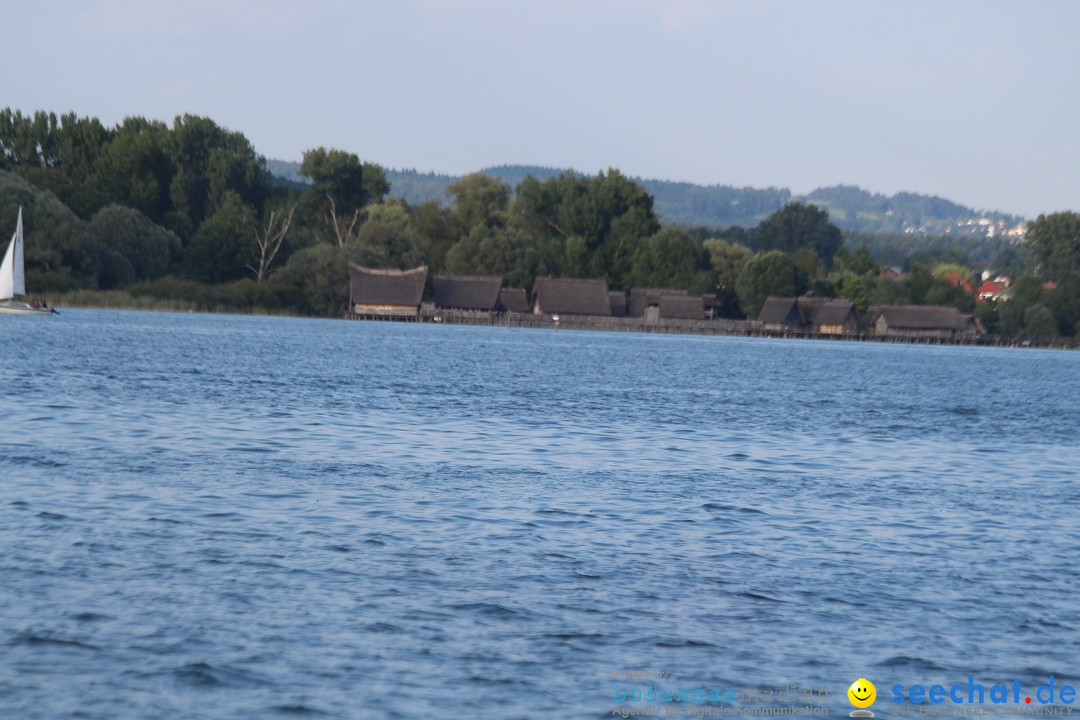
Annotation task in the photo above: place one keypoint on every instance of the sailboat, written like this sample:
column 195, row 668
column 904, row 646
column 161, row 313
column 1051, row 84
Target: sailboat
column 12, row 282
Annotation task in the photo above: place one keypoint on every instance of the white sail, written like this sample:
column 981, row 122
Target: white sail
column 12, row 281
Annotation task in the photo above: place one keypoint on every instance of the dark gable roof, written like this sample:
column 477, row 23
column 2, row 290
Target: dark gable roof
column 400, row 288
column 918, row 317
column 685, row 307
column 641, row 298
column 572, row 296
column 467, row 292
column 618, row 303
column 808, row 308
column 514, row 300
column 834, row 312
column 779, row 311
column 871, row 315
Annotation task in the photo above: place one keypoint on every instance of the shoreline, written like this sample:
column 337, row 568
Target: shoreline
column 719, row 326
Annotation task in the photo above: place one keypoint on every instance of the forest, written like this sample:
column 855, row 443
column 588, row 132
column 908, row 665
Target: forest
column 188, row 214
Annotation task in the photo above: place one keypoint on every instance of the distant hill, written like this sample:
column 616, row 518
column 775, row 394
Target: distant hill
column 680, row 203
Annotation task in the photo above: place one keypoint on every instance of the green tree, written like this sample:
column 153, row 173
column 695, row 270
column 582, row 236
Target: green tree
column 853, row 287
column 727, row 260
column 479, row 199
column 343, row 186
column 943, row 269
column 211, row 164
column 220, row 250
column 150, row 249
column 1055, row 244
column 437, row 230
column 670, row 258
column 511, row 252
column 587, row 226
column 861, row 263
column 1064, row 302
column 987, row 314
column 1039, row 322
column 796, row 227
column 134, row 169
column 769, row 273
column 388, row 236
column 59, row 253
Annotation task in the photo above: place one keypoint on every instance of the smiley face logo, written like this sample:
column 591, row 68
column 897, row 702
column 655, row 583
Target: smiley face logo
column 862, row 693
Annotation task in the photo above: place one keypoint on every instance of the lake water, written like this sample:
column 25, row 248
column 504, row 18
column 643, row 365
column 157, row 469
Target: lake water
column 219, row 516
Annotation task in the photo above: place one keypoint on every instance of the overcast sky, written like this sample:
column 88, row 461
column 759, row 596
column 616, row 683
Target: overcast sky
column 976, row 101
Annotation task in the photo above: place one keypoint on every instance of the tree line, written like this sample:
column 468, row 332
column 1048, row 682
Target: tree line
column 190, row 211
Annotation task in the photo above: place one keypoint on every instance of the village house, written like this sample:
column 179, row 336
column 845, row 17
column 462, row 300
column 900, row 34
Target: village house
column 918, row 322
column 514, row 300
column 679, row 307
column 642, row 298
column 709, row 306
column 994, row 290
column 571, row 296
column 393, row 294
column 809, row 314
column 467, row 292
column 835, row 317
column 618, row 303
column 654, row 304
column 781, row 315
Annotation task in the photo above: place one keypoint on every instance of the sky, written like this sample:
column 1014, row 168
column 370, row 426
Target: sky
column 975, row 101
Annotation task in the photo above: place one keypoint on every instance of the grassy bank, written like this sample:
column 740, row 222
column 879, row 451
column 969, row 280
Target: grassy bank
column 123, row 300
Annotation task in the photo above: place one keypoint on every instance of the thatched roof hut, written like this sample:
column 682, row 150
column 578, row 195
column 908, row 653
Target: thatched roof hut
column 571, row 296
column 618, row 303
column 386, row 293
column 682, row 307
column 467, row 292
column 514, row 300
column 781, row 314
column 921, row 321
column 641, row 298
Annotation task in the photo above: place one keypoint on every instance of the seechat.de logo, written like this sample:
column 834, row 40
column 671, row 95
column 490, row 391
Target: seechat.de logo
column 862, row 695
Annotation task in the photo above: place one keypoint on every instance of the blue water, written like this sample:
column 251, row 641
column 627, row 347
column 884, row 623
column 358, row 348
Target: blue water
column 215, row 516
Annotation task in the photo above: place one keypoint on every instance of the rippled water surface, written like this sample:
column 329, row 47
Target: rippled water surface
column 215, row 516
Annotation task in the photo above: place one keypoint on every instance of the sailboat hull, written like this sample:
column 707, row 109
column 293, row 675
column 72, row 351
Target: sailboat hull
column 9, row 307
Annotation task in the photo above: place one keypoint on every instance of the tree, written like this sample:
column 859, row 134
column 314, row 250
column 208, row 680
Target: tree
column 479, row 199
column 344, row 186
column 134, row 169
column 219, row 251
column 727, row 261
column 60, row 254
column 149, row 248
column 268, row 240
column 211, row 163
column 1055, row 244
column 1064, row 302
column 795, row 227
column 512, row 253
column 1039, row 322
column 669, row 258
column 388, row 238
column 587, row 226
column 861, row 263
column 437, row 231
column 853, row 287
column 770, row 273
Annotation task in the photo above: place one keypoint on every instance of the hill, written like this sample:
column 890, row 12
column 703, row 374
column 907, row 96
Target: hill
column 681, row 203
